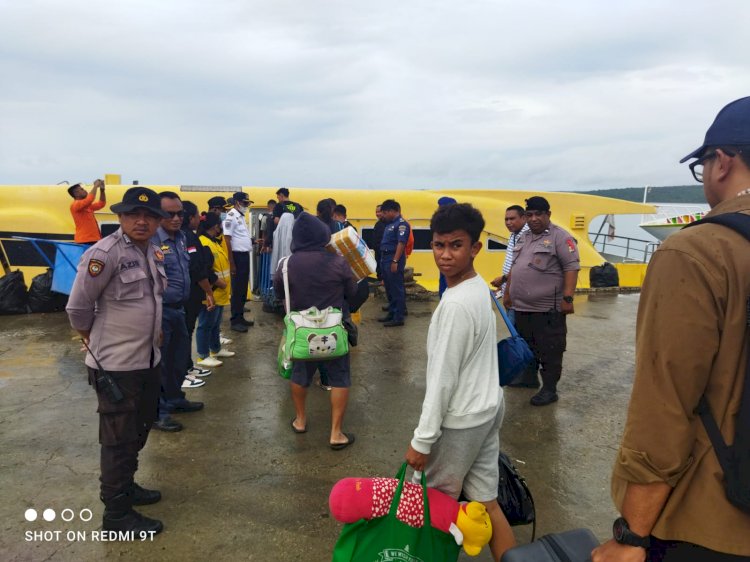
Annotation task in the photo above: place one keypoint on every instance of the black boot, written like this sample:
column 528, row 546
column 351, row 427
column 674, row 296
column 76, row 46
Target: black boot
column 142, row 496
column 119, row 515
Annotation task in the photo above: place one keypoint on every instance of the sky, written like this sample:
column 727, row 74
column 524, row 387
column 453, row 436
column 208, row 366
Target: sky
column 394, row 94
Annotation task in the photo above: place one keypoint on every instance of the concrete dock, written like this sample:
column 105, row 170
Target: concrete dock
column 237, row 484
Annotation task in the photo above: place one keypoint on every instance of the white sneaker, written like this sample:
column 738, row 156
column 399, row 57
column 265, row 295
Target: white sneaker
column 209, row 362
column 192, row 382
column 223, row 353
column 198, row 372
column 225, row 341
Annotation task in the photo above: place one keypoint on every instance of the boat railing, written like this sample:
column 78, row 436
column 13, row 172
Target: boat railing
column 622, row 248
column 674, row 214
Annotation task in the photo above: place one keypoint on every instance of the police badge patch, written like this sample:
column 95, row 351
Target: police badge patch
column 95, row 267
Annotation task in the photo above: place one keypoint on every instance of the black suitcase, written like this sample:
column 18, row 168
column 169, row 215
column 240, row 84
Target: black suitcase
column 569, row 546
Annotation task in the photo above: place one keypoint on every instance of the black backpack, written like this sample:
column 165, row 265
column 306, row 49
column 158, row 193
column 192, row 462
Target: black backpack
column 735, row 458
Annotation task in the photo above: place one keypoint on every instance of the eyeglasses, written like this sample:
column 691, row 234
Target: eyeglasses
column 697, row 167
column 174, row 214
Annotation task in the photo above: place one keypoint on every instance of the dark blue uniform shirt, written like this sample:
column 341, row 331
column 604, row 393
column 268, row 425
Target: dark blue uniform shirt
column 395, row 232
column 176, row 265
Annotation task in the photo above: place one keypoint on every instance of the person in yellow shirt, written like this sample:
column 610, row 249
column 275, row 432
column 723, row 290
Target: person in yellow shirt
column 207, row 338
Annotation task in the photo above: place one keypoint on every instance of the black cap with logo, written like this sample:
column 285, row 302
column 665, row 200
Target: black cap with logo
column 139, row 198
column 241, row 196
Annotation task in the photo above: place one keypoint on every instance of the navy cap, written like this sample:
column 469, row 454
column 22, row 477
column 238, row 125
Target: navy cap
column 730, row 128
column 537, row 203
column 443, row 201
column 139, row 198
column 217, row 202
column 241, row 196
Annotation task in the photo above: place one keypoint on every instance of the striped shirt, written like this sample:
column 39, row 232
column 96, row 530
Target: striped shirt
column 512, row 239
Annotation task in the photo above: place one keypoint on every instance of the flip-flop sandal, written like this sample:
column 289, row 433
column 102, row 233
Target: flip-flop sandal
column 295, row 430
column 339, row 446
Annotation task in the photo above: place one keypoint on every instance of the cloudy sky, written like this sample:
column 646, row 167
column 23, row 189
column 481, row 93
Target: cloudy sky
column 539, row 94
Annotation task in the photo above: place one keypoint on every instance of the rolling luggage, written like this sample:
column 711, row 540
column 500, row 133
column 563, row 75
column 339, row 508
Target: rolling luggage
column 570, row 546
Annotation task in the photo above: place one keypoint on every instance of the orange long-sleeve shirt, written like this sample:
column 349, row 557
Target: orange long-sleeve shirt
column 87, row 229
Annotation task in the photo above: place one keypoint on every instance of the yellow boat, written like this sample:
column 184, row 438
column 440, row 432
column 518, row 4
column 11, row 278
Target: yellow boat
column 42, row 211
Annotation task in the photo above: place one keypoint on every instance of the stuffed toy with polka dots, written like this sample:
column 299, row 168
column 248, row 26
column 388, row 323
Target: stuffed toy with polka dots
column 353, row 499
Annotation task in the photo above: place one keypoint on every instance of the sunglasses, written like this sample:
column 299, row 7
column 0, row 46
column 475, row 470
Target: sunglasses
column 174, row 214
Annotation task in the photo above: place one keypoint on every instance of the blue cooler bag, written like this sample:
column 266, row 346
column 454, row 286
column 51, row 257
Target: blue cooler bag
column 513, row 353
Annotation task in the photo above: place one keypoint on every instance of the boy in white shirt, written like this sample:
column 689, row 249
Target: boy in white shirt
column 457, row 440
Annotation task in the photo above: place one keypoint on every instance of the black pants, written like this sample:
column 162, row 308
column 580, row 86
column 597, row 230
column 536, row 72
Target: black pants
column 677, row 551
column 124, row 426
column 240, row 282
column 546, row 334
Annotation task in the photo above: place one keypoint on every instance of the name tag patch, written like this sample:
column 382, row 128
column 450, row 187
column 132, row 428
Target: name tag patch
column 129, row 265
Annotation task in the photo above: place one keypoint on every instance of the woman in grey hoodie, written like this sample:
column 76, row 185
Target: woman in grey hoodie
column 318, row 278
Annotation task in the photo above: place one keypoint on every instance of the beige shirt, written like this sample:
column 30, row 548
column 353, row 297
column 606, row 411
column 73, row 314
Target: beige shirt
column 117, row 296
column 690, row 340
column 539, row 261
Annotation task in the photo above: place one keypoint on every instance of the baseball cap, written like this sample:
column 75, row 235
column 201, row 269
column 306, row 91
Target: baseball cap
column 241, row 196
column 217, row 202
column 730, row 128
column 537, row 203
column 139, row 198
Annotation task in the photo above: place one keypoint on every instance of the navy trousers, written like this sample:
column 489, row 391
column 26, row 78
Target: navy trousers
column 175, row 358
column 394, row 287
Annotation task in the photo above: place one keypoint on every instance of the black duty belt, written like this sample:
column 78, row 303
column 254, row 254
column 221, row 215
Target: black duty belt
column 175, row 305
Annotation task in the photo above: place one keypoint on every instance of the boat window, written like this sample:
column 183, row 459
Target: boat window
column 108, row 228
column 21, row 253
column 494, row 245
column 422, row 238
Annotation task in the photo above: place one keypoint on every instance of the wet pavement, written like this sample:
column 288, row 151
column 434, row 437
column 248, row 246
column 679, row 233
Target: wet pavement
column 237, row 484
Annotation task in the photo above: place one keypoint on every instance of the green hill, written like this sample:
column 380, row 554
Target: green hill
column 689, row 194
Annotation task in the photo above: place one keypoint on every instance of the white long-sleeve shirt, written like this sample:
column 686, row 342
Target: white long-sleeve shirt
column 463, row 387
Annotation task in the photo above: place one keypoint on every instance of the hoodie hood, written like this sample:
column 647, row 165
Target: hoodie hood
column 309, row 234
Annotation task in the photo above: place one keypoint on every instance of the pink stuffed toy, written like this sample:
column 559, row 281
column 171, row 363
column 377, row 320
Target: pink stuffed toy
column 353, row 499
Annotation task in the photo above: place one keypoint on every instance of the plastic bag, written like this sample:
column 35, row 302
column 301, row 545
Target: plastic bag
column 13, row 297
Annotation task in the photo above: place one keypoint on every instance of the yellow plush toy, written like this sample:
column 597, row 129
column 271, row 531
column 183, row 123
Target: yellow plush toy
column 474, row 524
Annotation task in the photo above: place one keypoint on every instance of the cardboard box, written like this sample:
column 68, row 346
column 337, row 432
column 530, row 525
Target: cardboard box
column 348, row 244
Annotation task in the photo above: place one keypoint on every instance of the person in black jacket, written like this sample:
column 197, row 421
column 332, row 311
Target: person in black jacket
column 202, row 278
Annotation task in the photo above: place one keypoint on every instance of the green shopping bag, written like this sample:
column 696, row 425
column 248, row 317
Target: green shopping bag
column 386, row 539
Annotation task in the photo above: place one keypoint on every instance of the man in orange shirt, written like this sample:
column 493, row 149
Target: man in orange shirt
column 82, row 209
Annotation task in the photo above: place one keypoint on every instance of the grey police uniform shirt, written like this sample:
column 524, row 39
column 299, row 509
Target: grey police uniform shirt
column 236, row 227
column 539, row 263
column 117, row 296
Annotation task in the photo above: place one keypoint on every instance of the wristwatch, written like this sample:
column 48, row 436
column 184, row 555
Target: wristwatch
column 568, row 300
column 623, row 535
column 394, row 261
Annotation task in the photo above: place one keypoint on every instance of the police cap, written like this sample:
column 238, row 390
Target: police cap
column 139, row 198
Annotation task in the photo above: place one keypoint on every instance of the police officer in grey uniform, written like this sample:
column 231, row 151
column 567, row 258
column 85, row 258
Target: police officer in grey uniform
column 540, row 288
column 116, row 307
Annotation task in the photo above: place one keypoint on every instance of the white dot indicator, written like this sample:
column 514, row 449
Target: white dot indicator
column 30, row 515
column 67, row 515
column 49, row 514
column 86, row 514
